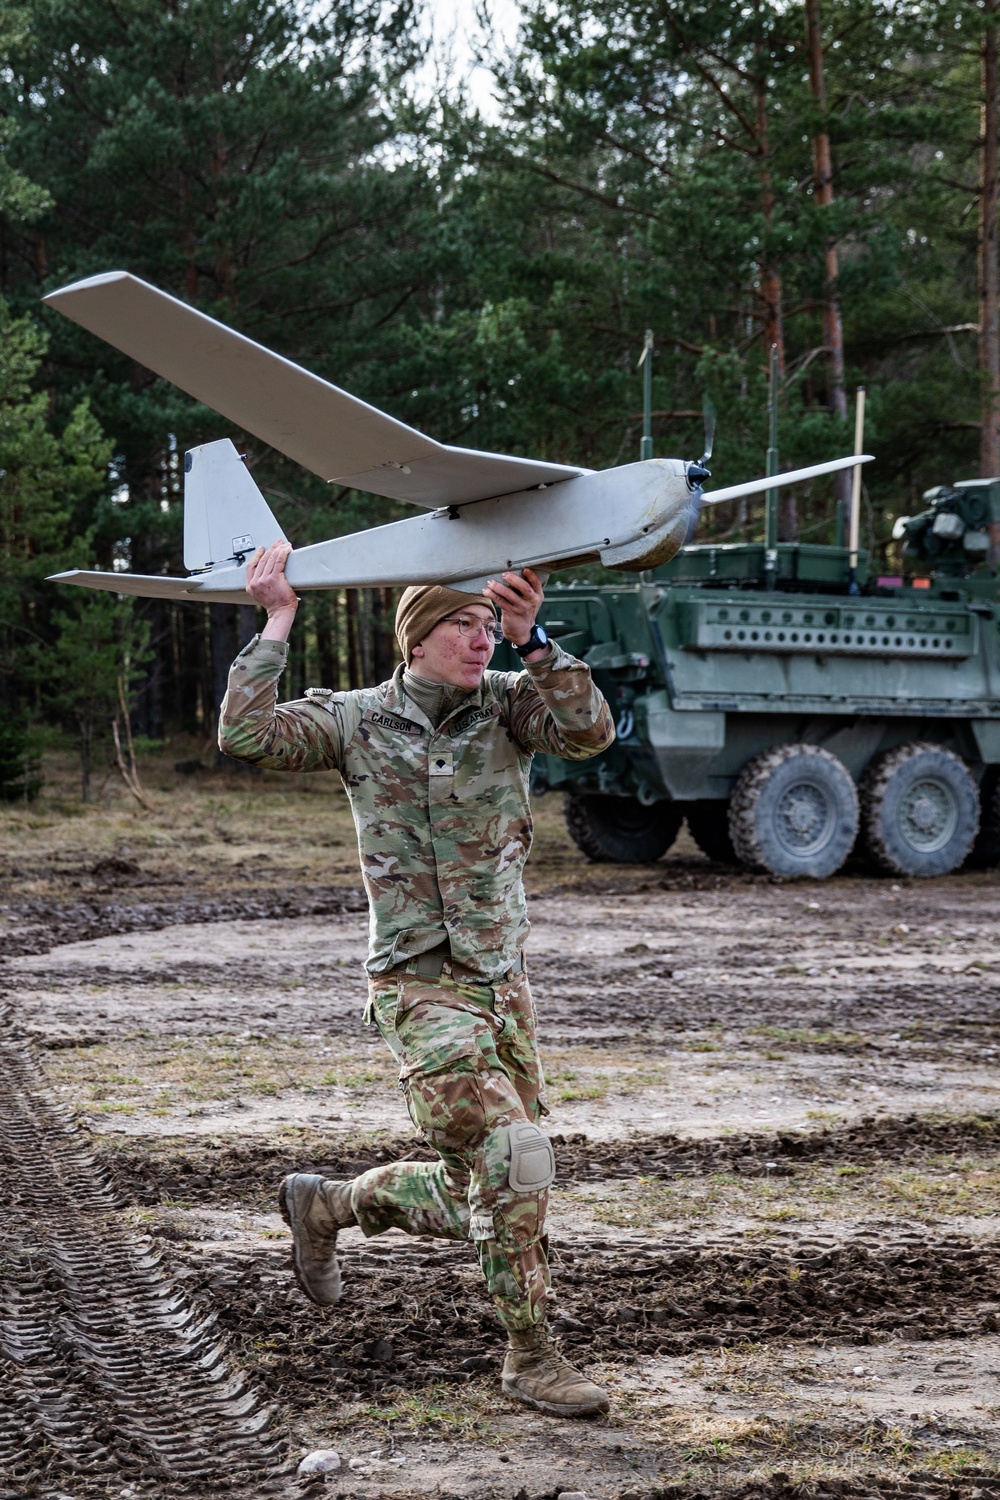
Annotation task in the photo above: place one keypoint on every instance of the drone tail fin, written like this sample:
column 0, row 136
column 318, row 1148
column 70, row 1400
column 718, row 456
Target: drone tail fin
column 225, row 515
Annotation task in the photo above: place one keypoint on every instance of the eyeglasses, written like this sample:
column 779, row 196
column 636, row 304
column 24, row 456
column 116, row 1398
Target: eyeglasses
column 470, row 626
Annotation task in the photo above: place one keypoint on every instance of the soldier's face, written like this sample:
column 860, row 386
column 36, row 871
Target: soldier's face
column 446, row 655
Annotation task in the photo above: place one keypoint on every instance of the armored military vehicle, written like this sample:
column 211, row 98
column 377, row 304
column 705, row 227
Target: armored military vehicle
column 790, row 708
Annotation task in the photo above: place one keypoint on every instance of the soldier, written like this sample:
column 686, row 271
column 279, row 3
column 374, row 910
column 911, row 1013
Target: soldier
column 435, row 762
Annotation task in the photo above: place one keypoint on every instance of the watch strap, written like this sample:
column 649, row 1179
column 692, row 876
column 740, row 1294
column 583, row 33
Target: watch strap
column 534, row 642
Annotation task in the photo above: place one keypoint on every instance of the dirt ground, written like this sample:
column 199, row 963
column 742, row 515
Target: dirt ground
column 776, row 1112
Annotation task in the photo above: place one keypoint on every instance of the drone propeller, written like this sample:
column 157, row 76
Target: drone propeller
column 698, row 472
column 710, row 415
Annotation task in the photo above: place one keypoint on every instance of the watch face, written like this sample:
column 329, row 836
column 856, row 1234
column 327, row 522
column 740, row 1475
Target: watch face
column 542, row 635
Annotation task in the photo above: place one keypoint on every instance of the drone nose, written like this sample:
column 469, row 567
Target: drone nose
column 697, row 474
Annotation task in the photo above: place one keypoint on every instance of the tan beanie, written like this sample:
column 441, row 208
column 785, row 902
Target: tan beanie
column 423, row 606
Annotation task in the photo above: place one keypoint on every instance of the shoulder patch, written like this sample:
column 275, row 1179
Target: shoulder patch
column 382, row 719
column 325, row 698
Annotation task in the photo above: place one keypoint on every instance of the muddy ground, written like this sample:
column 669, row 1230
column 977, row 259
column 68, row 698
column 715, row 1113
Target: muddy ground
column 776, row 1108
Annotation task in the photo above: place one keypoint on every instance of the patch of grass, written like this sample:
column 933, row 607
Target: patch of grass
column 590, row 1073
column 950, row 1185
column 886, row 1443
column 956, row 1461
column 364, row 1079
column 828, row 1038
column 712, row 1450
column 158, row 1074
column 436, row 1408
column 567, row 1092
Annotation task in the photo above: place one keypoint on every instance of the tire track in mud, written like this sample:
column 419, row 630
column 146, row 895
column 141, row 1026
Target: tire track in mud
column 107, row 1367
column 919, row 1484
column 36, row 927
column 857, row 1011
column 413, row 1315
column 148, row 1170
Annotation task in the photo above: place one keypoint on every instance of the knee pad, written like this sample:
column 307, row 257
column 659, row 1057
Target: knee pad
column 532, row 1160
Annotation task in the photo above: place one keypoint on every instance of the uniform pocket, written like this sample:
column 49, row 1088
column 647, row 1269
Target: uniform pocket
column 457, row 1054
column 382, row 1011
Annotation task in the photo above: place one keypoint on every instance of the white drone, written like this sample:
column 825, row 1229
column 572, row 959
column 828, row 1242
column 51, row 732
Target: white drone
column 488, row 512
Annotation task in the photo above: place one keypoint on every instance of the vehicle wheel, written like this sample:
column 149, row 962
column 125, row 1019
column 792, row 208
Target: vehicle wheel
column 708, row 825
column 919, row 810
column 986, row 849
column 620, row 830
column 794, row 811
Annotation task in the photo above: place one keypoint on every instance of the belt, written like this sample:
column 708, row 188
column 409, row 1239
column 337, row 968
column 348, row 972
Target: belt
column 438, row 961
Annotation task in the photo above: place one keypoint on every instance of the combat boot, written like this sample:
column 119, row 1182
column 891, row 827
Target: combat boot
column 537, row 1374
column 315, row 1208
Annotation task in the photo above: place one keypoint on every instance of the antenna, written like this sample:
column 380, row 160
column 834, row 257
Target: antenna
column 771, row 512
column 855, row 523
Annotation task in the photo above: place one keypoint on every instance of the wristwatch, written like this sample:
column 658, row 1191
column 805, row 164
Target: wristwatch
column 535, row 641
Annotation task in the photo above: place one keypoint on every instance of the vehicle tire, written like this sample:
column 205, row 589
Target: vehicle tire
column 620, row 830
column 986, row 850
column 919, row 810
column 794, row 811
column 708, row 825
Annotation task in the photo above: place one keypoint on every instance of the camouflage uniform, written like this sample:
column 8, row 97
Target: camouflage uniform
column 444, row 828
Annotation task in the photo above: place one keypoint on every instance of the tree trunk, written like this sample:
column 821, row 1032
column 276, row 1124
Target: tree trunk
column 989, row 272
column 365, row 634
column 295, row 668
column 324, row 642
column 770, row 279
column 354, row 664
column 833, row 328
column 385, row 655
column 247, row 625
column 833, row 331
column 147, row 713
column 788, row 513
column 222, row 627
column 86, row 754
column 337, row 636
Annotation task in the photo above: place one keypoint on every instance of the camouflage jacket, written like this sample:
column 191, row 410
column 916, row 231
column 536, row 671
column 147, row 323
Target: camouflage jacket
column 442, row 815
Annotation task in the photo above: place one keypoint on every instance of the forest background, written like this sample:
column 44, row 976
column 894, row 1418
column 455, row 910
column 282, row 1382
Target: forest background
column 820, row 177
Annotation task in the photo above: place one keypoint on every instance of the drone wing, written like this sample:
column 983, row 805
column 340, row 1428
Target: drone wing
column 326, row 430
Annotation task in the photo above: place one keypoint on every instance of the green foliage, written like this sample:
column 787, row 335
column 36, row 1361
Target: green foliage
column 17, row 764
column 242, row 154
column 91, row 667
column 49, row 482
column 490, row 283
column 21, row 200
column 653, row 169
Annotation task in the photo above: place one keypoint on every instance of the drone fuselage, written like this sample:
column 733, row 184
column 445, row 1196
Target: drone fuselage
column 631, row 517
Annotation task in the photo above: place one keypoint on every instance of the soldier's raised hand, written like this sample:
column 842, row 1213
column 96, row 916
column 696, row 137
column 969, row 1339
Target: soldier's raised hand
column 268, row 587
column 519, row 598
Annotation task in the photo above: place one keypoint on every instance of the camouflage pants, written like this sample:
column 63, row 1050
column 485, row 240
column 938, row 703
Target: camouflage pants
column 468, row 1069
